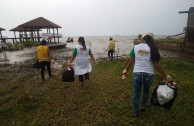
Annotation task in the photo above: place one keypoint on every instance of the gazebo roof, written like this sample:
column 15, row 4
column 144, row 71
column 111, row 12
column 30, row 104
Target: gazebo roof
column 23, row 29
column 2, row 29
column 39, row 23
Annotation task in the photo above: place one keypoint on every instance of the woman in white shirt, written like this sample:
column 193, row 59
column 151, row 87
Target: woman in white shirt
column 82, row 64
column 146, row 56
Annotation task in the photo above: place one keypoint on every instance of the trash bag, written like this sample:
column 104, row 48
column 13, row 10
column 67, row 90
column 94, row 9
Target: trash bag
column 36, row 65
column 164, row 95
column 68, row 74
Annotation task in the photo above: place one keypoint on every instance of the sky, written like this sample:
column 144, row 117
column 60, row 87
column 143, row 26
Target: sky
column 99, row 17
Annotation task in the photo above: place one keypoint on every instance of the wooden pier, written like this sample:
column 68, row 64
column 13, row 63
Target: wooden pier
column 56, row 45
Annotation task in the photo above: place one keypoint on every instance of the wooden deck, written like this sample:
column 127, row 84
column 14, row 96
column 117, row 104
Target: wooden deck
column 56, row 45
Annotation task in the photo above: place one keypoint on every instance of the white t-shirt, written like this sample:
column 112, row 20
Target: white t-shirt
column 143, row 61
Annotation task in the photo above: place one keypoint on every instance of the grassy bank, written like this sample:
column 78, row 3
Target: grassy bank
column 105, row 100
column 20, row 45
column 170, row 40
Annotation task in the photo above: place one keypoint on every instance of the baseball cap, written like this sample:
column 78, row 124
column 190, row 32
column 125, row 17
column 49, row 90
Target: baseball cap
column 148, row 33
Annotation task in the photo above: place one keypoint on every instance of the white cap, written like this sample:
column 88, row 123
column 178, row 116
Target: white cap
column 148, row 33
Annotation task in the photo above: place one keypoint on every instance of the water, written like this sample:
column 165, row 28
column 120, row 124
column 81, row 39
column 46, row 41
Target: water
column 98, row 45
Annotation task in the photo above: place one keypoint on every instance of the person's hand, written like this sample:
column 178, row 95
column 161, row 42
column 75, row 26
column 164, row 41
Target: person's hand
column 124, row 71
column 95, row 62
column 69, row 64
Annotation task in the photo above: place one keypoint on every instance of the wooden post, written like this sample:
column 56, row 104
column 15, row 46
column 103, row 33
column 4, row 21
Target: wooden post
column 32, row 36
column 38, row 35
column 20, row 36
column 57, row 35
column 1, row 35
column 54, row 34
column 15, row 36
column 49, row 32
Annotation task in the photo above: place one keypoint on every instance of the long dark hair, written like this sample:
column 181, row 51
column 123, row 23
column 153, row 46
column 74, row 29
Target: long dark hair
column 81, row 39
column 155, row 55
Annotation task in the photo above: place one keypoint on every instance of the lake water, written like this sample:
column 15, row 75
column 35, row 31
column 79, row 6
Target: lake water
column 98, row 45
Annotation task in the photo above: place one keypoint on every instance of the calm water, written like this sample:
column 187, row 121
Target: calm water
column 98, row 45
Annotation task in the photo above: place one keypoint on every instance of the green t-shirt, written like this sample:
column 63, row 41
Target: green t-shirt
column 132, row 53
column 75, row 52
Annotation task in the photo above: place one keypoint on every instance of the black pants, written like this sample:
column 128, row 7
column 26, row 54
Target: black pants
column 3, row 48
column 43, row 64
column 81, row 77
column 110, row 53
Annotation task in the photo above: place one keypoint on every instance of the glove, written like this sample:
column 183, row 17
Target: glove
column 124, row 74
column 168, row 78
column 124, row 71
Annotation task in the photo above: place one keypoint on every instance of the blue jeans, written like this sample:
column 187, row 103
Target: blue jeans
column 140, row 78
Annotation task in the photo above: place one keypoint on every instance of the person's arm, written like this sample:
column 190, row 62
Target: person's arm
column 108, row 46
column 130, row 63
column 72, row 58
column 49, row 54
column 92, row 57
column 159, row 69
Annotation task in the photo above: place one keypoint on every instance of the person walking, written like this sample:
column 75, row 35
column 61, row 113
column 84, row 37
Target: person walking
column 82, row 64
column 111, row 48
column 145, row 56
column 44, row 58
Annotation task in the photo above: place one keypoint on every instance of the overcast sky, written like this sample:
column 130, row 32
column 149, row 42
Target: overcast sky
column 99, row 17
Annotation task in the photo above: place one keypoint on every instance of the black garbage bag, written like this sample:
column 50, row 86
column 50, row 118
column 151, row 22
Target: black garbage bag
column 155, row 100
column 36, row 65
column 68, row 75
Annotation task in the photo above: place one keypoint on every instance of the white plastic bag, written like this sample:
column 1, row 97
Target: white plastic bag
column 164, row 94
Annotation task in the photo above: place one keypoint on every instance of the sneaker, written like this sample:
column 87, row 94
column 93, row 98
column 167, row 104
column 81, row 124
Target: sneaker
column 135, row 115
column 82, row 84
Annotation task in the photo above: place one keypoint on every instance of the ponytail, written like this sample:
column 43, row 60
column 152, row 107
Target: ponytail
column 155, row 55
column 81, row 39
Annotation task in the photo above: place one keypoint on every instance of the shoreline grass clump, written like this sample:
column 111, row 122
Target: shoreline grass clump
column 105, row 100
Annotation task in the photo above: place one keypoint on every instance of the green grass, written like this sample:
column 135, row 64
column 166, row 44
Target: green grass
column 106, row 100
column 171, row 40
column 29, row 43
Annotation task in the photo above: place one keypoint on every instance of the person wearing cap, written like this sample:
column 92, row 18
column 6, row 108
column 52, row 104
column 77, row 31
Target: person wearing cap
column 82, row 64
column 146, row 57
column 44, row 58
column 111, row 48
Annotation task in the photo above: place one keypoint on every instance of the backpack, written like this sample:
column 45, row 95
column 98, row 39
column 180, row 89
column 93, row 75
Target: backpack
column 164, row 95
column 68, row 75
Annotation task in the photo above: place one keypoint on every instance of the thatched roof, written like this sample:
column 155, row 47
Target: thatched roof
column 2, row 29
column 23, row 29
column 40, row 23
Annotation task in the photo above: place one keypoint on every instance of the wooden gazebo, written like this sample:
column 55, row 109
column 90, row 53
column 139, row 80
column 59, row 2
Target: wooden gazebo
column 41, row 23
column 23, row 33
column 1, row 29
